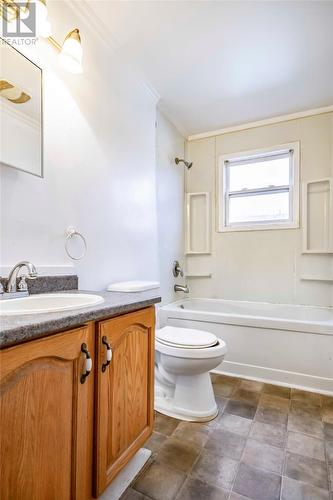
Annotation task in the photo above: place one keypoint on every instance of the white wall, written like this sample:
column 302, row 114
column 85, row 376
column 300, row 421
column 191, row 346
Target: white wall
column 262, row 265
column 170, row 202
column 99, row 164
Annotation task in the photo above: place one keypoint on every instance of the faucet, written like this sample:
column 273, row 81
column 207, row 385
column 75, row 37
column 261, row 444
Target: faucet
column 177, row 270
column 181, row 288
column 11, row 285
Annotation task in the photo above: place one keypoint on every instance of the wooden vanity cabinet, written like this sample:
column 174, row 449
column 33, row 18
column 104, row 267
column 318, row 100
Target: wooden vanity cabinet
column 46, row 418
column 61, row 439
column 124, row 412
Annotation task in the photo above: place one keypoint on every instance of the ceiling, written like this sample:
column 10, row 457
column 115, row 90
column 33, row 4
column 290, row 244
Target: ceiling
column 217, row 64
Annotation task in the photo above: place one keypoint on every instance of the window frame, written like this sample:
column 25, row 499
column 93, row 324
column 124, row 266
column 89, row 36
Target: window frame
column 223, row 194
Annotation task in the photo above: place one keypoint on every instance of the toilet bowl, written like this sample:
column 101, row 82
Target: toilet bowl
column 183, row 359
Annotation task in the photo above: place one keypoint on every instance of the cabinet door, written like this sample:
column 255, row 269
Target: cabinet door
column 46, row 419
column 125, row 392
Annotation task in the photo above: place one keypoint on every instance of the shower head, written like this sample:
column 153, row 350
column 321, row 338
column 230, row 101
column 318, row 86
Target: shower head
column 186, row 163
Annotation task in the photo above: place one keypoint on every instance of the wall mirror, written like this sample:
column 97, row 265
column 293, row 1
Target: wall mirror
column 21, row 140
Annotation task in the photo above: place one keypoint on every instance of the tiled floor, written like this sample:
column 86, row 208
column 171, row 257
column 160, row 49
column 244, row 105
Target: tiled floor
column 268, row 443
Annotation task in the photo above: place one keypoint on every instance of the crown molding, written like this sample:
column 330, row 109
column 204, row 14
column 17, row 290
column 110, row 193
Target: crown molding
column 262, row 123
column 165, row 111
column 97, row 28
column 101, row 32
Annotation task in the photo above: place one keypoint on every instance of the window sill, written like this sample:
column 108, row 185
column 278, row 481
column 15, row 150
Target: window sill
column 258, row 227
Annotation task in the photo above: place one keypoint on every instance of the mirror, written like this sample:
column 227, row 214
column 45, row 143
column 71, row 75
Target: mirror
column 20, row 111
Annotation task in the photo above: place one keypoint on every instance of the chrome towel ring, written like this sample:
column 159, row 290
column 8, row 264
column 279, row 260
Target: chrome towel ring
column 70, row 233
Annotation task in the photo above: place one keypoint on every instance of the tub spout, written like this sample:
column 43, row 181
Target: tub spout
column 181, row 288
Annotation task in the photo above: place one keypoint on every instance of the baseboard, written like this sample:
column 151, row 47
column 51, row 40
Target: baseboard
column 125, row 477
column 277, row 377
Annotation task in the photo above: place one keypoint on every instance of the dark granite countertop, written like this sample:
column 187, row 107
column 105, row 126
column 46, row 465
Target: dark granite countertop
column 21, row 328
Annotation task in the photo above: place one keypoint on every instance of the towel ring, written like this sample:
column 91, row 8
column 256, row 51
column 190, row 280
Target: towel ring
column 70, row 233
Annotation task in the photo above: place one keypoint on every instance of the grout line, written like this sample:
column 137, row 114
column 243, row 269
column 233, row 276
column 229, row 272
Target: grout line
column 285, row 448
column 203, row 449
column 212, row 429
column 330, row 485
column 247, row 438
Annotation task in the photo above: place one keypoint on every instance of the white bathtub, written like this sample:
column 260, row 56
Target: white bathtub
column 284, row 344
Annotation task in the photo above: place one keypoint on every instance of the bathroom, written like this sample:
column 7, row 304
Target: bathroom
column 171, row 213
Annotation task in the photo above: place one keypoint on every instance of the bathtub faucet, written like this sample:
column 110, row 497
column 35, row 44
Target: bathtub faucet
column 181, row 288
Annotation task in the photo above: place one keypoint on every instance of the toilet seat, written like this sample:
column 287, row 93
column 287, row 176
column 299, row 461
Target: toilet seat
column 186, row 338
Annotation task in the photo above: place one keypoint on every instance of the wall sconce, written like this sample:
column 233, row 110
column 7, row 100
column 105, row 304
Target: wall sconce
column 70, row 52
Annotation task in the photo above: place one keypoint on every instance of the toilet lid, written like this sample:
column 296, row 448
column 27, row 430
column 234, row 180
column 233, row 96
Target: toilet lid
column 185, row 337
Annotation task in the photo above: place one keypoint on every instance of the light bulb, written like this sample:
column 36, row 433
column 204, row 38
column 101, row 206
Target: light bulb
column 71, row 52
column 43, row 27
column 45, row 30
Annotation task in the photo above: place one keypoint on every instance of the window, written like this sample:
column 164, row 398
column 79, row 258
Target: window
column 259, row 189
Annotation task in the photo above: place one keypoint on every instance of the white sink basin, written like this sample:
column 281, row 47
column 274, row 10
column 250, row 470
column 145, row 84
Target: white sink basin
column 48, row 302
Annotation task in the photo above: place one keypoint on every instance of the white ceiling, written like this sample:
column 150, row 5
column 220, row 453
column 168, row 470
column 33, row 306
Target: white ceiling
column 222, row 63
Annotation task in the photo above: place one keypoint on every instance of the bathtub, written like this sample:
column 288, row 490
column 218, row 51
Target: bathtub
column 288, row 345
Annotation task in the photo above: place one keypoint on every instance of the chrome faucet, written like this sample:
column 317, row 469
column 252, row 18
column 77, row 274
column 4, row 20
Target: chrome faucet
column 177, row 270
column 181, row 288
column 12, row 278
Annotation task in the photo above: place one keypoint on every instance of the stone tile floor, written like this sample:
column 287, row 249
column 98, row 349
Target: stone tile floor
column 267, row 443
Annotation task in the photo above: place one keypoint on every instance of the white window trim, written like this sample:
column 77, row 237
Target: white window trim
column 222, row 205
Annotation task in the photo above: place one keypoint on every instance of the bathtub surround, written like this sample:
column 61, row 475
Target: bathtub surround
column 267, row 443
column 282, row 344
column 262, row 265
column 170, row 202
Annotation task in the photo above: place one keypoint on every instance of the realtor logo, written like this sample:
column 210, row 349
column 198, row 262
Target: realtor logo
column 19, row 21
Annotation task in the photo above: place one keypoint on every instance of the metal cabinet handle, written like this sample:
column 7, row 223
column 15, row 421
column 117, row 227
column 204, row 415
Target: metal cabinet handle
column 108, row 353
column 88, row 363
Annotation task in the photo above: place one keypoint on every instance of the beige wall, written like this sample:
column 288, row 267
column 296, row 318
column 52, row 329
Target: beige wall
column 262, row 265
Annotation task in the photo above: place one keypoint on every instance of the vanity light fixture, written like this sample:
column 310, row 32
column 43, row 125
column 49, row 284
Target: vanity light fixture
column 11, row 11
column 70, row 51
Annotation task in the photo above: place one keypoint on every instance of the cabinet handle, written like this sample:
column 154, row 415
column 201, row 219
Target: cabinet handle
column 108, row 353
column 88, row 363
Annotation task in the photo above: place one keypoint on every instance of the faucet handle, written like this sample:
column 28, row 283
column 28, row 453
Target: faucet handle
column 177, row 270
column 22, row 284
column 1, row 287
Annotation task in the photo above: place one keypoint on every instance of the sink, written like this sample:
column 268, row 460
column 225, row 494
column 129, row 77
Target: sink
column 48, row 302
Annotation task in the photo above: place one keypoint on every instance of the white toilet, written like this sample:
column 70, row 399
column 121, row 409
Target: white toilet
column 183, row 359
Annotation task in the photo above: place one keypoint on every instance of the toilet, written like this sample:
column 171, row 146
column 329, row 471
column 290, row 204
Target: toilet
column 183, row 359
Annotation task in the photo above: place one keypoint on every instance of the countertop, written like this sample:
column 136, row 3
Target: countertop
column 21, row 328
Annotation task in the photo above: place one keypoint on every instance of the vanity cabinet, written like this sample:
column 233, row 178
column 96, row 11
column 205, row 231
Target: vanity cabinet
column 65, row 438
column 124, row 392
column 46, row 417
